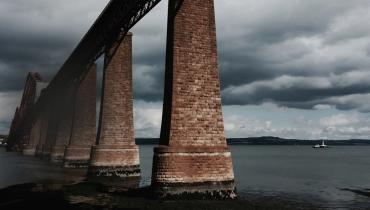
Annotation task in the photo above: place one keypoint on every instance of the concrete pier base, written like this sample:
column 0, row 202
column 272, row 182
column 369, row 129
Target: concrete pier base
column 114, row 171
column 45, row 153
column 38, row 150
column 77, row 157
column 197, row 190
column 29, row 150
column 117, row 184
column 114, row 162
column 57, row 154
column 183, row 172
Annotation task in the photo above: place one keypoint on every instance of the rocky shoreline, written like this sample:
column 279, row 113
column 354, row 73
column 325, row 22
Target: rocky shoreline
column 85, row 195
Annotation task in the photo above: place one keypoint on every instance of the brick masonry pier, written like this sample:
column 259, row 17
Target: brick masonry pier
column 193, row 156
column 83, row 136
column 44, row 126
column 116, row 155
column 30, row 148
column 64, row 128
column 51, row 131
column 59, row 123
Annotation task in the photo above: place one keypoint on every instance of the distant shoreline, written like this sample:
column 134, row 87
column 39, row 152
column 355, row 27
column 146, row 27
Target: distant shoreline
column 269, row 140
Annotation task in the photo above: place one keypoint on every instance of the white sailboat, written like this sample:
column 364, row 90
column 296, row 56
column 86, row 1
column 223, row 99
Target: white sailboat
column 322, row 145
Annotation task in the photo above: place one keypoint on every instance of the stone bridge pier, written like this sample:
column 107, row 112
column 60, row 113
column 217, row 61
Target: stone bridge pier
column 115, row 154
column 193, row 156
column 43, row 131
column 30, row 148
column 83, row 131
column 52, row 128
column 64, row 125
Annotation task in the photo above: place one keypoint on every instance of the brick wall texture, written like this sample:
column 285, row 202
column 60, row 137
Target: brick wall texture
column 35, row 133
column 116, row 144
column 43, row 133
column 193, row 115
column 193, row 146
column 84, row 121
column 116, row 119
column 30, row 148
column 83, row 133
column 52, row 128
column 64, row 128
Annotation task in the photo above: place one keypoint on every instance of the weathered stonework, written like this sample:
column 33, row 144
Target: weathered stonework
column 184, row 171
column 65, row 117
column 116, row 154
column 46, row 150
column 83, row 136
column 39, row 150
column 43, row 133
column 114, row 161
column 51, row 130
column 30, row 148
column 193, row 157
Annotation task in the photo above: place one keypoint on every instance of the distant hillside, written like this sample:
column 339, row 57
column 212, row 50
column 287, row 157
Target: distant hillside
column 270, row 140
column 147, row 141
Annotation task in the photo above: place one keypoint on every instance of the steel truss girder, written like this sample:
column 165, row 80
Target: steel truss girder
column 118, row 17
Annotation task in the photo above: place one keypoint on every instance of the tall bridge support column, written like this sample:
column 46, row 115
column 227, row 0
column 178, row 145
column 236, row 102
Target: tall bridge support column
column 77, row 153
column 193, row 156
column 51, row 131
column 30, row 148
column 116, row 155
column 63, row 133
column 43, row 133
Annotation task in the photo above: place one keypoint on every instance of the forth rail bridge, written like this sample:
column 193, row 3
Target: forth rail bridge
column 57, row 121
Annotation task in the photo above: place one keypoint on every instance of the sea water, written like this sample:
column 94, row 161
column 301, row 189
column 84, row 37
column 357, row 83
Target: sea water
column 295, row 173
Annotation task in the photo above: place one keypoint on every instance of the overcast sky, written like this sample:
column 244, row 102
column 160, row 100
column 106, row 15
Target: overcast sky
column 289, row 68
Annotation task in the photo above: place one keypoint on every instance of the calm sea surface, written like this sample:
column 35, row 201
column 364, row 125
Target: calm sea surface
column 295, row 173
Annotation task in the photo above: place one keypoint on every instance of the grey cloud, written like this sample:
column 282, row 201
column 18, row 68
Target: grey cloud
column 304, row 92
column 4, row 127
column 39, row 36
column 336, row 126
column 8, row 104
column 368, row 51
column 259, row 41
column 146, row 85
column 303, row 39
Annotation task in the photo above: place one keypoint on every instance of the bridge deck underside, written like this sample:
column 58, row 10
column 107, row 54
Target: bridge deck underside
column 118, row 17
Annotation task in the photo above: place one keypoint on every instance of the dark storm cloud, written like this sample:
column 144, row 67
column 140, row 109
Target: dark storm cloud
column 38, row 36
column 270, row 51
column 18, row 56
column 147, row 83
column 279, row 49
column 265, row 37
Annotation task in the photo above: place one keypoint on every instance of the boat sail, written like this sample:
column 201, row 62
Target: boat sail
column 322, row 145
